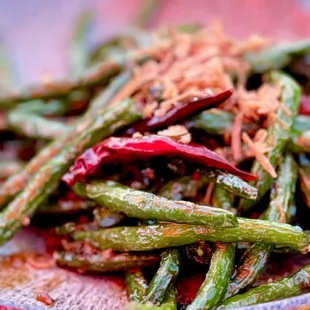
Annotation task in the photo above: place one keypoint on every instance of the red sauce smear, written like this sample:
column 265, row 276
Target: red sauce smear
column 188, row 287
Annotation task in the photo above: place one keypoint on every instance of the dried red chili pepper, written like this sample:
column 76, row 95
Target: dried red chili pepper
column 86, row 164
column 304, row 105
column 129, row 149
column 179, row 113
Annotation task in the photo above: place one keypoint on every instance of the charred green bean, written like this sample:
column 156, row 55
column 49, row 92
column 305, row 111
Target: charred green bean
column 136, row 285
column 46, row 180
column 166, row 275
column 145, row 238
column 143, row 205
column 287, row 287
column 278, row 135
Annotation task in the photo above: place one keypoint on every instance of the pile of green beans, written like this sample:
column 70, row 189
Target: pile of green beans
column 135, row 227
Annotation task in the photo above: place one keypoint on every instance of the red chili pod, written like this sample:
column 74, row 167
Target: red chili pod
column 129, row 149
column 179, row 113
column 304, row 105
column 86, row 164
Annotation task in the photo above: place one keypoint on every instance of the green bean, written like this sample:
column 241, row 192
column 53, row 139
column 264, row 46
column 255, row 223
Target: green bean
column 183, row 188
column 98, row 75
column 68, row 228
column 117, row 48
column 78, row 60
column 170, row 302
column 103, row 100
column 186, row 186
column 222, row 199
column 252, row 265
column 46, row 180
column 256, row 257
column 66, row 207
column 169, row 266
column 189, row 28
column 166, row 274
column 287, row 287
column 35, row 126
column 300, row 143
column 159, row 236
column 213, row 288
column 278, row 135
column 40, row 107
column 73, row 104
column 9, row 167
column 118, row 198
column 146, row 13
column 219, row 122
column 213, row 122
column 230, row 183
column 304, row 183
column 17, row 182
column 101, row 262
column 283, row 192
column 277, row 57
column 300, row 138
column 136, row 285
column 224, row 259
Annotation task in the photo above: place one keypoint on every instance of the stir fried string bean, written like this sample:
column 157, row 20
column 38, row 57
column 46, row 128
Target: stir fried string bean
column 118, row 198
column 159, row 236
column 278, row 134
column 166, row 275
column 214, row 286
column 46, row 180
column 143, row 157
column 136, row 285
column 18, row 181
column 256, row 256
column 103, row 262
column 287, row 287
column 170, row 302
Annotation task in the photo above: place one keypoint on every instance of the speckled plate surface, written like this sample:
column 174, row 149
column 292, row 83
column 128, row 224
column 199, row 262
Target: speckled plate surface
column 37, row 33
column 20, row 283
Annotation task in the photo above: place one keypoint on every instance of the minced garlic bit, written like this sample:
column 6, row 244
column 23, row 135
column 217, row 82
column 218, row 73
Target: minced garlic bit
column 149, row 109
column 177, row 132
column 137, row 135
column 263, row 101
column 195, row 64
